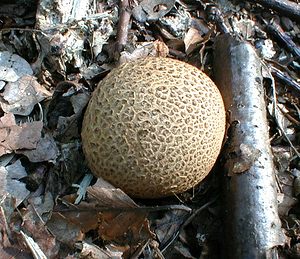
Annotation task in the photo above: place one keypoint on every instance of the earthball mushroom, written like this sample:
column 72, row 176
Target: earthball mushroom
column 154, row 127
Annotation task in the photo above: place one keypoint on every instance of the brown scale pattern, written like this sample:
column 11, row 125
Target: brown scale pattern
column 154, row 127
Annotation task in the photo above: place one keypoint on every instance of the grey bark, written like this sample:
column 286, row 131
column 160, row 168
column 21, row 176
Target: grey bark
column 284, row 7
column 252, row 225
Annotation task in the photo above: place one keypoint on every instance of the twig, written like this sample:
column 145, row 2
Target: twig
column 283, row 77
column 123, row 209
column 286, row 8
column 197, row 211
column 275, row 30
column 215, row 15
column 122, row 31
column 34, row 247
column 177, row 53
column 275, row 114
column 188, row 221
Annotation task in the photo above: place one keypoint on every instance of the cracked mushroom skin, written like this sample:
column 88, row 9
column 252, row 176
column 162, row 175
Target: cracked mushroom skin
column 154, row 127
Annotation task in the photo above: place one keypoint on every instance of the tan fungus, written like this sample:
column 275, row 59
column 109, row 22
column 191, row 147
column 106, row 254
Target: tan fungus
column 154, row 127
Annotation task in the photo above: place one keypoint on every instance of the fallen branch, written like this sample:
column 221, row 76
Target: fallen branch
column 252, row 225
column 284, row 7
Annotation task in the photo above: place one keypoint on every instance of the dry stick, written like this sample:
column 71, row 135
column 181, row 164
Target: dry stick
column 285, row 78
column 252, row 225
column 275, row 30
column 122, row 31
column 215, row 15
column 286, row 8
column 73, row 207
column 187, row 222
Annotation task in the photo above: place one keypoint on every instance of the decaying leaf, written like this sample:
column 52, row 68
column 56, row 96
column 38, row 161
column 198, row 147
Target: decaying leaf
column 9, row 247
column 246, row 156
column 152, row 10
column 109, row 211
column 155, row 49
column 296, row 184
column 244, row 27
column 178, row 23
column 101, row 35
column 191, row 39
column 79, row 101
column 33, row 246
column 285, row 203
column 94, row 252
column 93, row 70
column 87, row 26
column 67, row 127
column 5, row 159
column 282, row 157
column 12, row 67
column 64, row 229
column 33, row 224
column 182, row 251
column 10, row 184
column 21, row 96
column 14, row 137
column 266, row 48
column 167, row 227
column 46, row 150
column 65, row 110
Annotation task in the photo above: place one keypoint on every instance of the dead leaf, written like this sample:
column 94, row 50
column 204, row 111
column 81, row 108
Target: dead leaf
column 71, row 161
column 34, row 225
column 12, row 67
column 191, row 39
column 33, row 246
column 43, row 205
column 285, row 203
column 67, row 128
column 8, row 205
column 124, row 227
column 64, row 230
column 245, row 27
column 296, row 184
column 106, row 195
column 13, row 137
column 7, row 120
column 154, row 49
column 183, row 251
column 9, row 248
column 65, row 110
column 265, row 48
column 91, row 71
column 168, row 225
column 79, row 101
column 94, row 252
column 2, row 84
column 152, row 10
column 111, row 212
column 246, row 156
column 10, row 184
column 5, row 159
column 46, row 150
column 21, row 96
column 282, row 157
